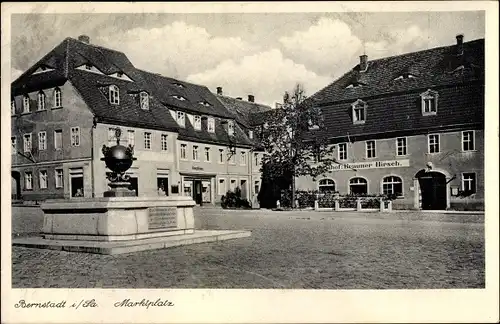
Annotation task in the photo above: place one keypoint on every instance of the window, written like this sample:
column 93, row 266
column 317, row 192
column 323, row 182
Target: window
column 230, row 127
column 43, row 179
column 221, row 155
column 197, row 122
column 42, row 141
column 469, row 182
column 76, row 182
column 131, row 137
column 358, row 186
column 88, row 67
column 144, row 98
column 181, row 118
column 232, row 184
column 433, row 143
column 183, row 151
column 392, row 185
column 164, row 142
column 28, row 180
column 256, row 187
column 26, row 104
column 41, row 101
column 59, row 178
column 211, row 125
column 232, row 158
column 13, row 144
column 401, row 146
column 111, row 136
column 250, row 134
column 181, row 98
column 222, row 186
column 207, row 154
column 147, row 141
column 12, row 107
column 27, row 143
column 468, row 141
column 370, row 149
column 57, row 98
column 75, row 136
column 243, row 158
column 204, row 103
column 256, row 159
column 58, row 139
column 114, row 95
column 359, row 112
column 195, row 153
column 342, row 151
column 326, row 185
column 429, row 102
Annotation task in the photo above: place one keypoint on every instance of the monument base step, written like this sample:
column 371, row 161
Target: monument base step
column 119, row 247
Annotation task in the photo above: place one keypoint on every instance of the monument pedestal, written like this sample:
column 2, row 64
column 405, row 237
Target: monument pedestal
column 112, row 225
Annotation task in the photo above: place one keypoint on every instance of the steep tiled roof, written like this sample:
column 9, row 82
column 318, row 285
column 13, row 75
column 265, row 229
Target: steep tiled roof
column 395, row 105
column 93, row 87
column 242, row 109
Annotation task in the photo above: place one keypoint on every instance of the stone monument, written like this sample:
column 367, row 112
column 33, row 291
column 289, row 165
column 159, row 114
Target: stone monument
column 120, row 222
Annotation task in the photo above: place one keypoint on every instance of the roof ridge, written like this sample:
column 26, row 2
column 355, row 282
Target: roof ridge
column 167, row 77
column 241, row 100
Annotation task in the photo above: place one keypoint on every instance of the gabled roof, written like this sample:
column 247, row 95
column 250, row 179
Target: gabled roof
column 432, row 68
column 241, row 109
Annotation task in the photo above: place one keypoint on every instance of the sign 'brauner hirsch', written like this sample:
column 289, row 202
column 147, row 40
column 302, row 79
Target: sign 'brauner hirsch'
column 371, row 165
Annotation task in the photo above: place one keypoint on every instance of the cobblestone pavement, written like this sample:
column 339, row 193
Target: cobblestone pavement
column 286, row 250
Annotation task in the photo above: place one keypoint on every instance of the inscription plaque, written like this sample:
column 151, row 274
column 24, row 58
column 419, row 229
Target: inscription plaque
column 162, row 217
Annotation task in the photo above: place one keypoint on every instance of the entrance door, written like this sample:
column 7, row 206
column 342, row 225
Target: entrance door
column 433, row 190
column 243, row 186
column 207, row 192
column 76, row 182
column 15, row 185
column 197, row 192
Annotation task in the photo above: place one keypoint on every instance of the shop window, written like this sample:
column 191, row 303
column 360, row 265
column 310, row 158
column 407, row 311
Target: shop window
column 326, row 185
column 162, row 185
column 392, row 185
column 358, row 186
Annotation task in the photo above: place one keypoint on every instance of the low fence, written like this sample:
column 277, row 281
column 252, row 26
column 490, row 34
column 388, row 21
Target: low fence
column 336, row 202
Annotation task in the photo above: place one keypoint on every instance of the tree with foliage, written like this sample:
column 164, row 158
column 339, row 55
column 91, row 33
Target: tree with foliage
column 293, row 140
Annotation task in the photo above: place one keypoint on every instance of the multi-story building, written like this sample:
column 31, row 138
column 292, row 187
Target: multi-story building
column 411, row 125
column 67, row 106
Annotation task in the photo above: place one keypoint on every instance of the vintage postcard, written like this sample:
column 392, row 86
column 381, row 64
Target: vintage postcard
column 250, row 162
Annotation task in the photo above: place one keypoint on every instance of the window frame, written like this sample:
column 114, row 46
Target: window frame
column 13, row 107
column 13, row 145
column 44, row 141
column 148, row 139
column 197, row 122
column 219, row 187
column 429, row 95
column 429, row 143
column 58, row 131
column 320, row 185
column 471, row 140
column 358, row 184
column 371, row 150
column 208, row 154
column 474, row 190
column 256, row 159
column 183, row 151
column 144, row 100
column 46, row 182
column 131, row 139
column 221, row 156
column 211, row 125
column 405, row 146
column 26, row 104
column 41, row 98
column 57, row 98
column 243, row 158
column 230, row 128
column 345, row 151
column 76, row 135
column 26, row 187
column 195, row 153
column 164, row 142
column 114, row 94
column 30, row 143
column 359, row 105
column 392, row 183
column 56, row 176
column 180, row 114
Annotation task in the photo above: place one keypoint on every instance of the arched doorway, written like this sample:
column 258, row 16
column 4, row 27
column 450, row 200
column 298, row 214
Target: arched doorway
column 15, row 185
column 432, row 190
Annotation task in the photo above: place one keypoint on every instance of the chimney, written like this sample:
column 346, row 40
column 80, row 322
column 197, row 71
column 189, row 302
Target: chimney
column 460, row 44
column 239, row 98
column 84, row 39
column 219, row 91
column 251, row 98
column 363, row 62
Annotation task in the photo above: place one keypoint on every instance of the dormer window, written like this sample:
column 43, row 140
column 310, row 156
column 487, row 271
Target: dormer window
column 429, row 100
column 119, row 74
column 114, row 95
column 144, row 100
column 181, row 119
column 230, row 128
column 359, row 112
column 204, row 103
column 211, row 125
column 57, row 98
column 405, row 76
column 197, row 122
column 181, row 98
column 178, row 85
column 41, row 101
column 354, row 85
column 250, row 134
column 26, row 104
column 88, row 66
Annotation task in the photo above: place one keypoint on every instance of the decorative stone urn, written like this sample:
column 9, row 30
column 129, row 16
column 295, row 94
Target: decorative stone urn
column 118, row 159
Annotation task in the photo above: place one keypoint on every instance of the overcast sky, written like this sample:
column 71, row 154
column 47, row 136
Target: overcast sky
column 260, row 54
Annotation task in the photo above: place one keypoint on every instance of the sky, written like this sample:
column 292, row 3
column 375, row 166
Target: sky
column 264, row 54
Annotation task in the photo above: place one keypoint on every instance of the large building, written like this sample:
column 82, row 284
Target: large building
column 66, row 107
column 410, row 125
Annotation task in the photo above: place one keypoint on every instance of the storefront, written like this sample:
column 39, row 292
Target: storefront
column 199, row 187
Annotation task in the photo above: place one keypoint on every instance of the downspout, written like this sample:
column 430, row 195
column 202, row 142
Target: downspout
column 94, row 125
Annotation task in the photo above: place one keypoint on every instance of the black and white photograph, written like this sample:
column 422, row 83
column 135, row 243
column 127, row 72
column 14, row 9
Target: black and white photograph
column 243, row 150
